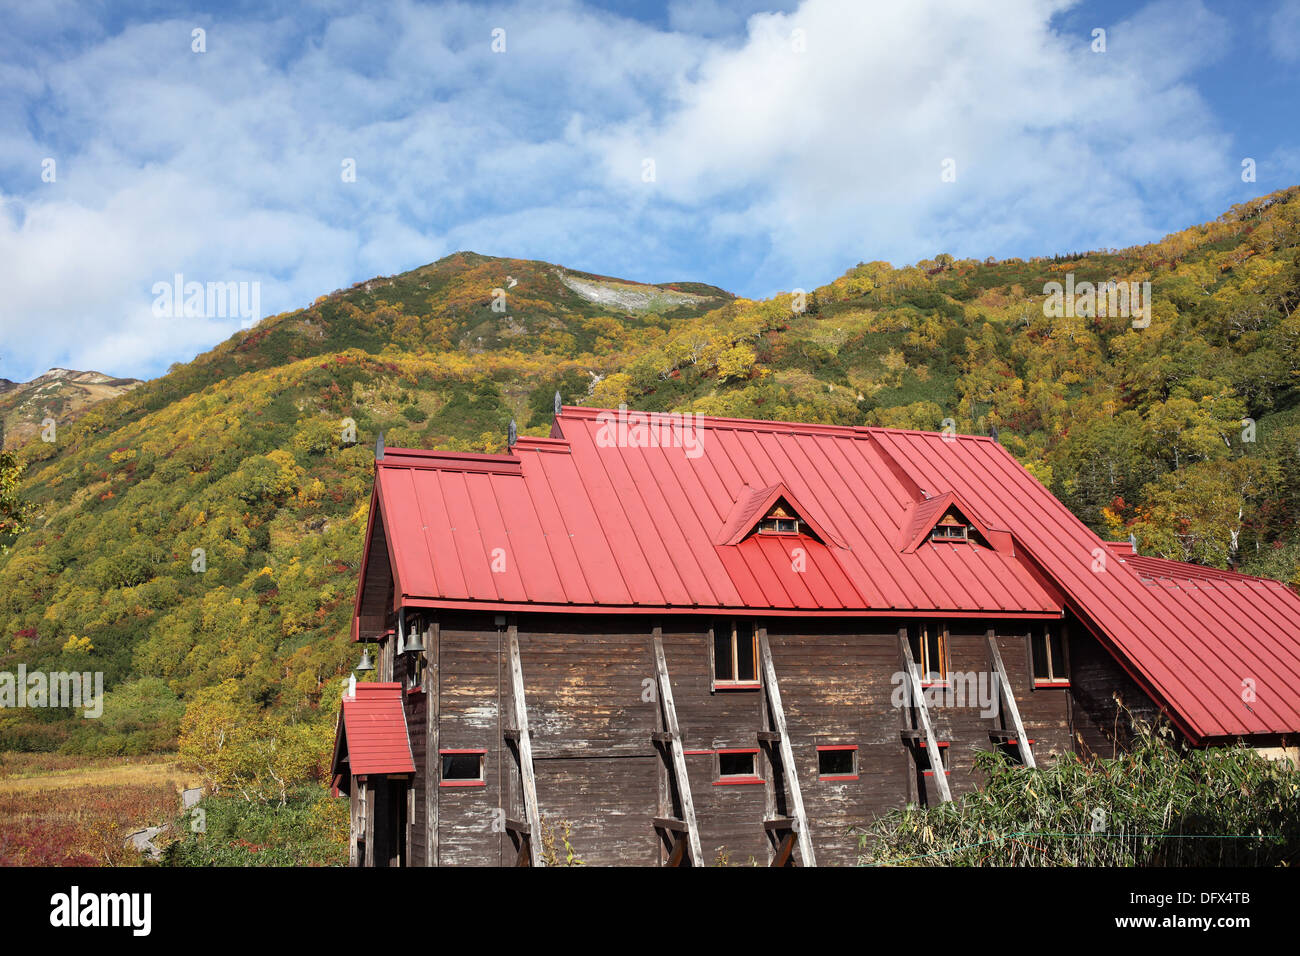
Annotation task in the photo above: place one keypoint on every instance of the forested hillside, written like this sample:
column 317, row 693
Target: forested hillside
column 207, row 525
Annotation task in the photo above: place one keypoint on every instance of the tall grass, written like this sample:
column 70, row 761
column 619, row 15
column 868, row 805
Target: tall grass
column 1158, row 804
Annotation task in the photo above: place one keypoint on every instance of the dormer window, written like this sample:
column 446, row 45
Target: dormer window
column 950, row 528
column 780, row 520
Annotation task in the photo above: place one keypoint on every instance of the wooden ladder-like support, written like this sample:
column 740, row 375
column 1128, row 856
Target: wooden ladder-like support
column 675, row 824
column 526, row 833
column 922, row 712
column 783, row 831
column 1007, row 707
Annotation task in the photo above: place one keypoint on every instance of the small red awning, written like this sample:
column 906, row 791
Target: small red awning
column 372, row 734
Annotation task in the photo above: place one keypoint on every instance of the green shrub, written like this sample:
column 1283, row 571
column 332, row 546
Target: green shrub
column 310, row 829
column 1159, row 804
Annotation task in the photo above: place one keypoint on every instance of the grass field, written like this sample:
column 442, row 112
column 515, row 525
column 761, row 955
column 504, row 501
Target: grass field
column 71, row 811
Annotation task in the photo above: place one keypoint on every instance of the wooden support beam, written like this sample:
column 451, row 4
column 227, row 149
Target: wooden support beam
column 784, row 851
column 669, row 710
column 525, row 745
column 773, row 693
column 356, row 828
column 1009, row 700
column 679, row 851
column 432, row 759
column 368, row 808
column 923, row 711
column 670, row 823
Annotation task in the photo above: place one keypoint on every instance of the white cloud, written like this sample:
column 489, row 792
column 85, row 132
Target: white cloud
column 775, row 168
column 1284, row 31
column 841, row 147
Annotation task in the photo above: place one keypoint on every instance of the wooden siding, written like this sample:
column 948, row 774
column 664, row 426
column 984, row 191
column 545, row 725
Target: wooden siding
column 589, row 685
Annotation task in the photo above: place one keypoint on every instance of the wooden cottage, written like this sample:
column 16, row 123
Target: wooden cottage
column 674, row 640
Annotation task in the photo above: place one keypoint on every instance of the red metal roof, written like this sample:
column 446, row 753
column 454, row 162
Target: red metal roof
column 1198, row 644
column 615, row 513
column 586, row 524
column 373, row 731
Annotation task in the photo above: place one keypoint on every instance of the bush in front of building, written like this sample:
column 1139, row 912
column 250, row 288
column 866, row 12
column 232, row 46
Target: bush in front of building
column 1160, row 803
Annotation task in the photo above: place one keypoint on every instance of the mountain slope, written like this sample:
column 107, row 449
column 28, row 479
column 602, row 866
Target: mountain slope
column 206, row 525
column 60, row 394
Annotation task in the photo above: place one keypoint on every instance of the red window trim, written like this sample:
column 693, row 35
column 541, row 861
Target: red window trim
column 1050, row 684
column 941, row 745
column 738, row 685
column 480, row 751
column 838, row 776
column 722, row 781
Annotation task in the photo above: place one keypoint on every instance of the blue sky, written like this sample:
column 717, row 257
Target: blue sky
column 789, row 141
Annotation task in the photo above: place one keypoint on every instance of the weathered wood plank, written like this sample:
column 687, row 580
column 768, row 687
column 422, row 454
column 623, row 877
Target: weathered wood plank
column 432, row 759
column 368, row 808
column 923, row 713
column 784, row 851
column 678, row 755
column 525, row 745
column 1009, row 701
column 773, row 691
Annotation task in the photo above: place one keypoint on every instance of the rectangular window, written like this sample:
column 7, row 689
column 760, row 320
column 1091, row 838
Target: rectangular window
column 737, row 766
column 462, row 768
column 923, row 761
column 948, row 532
column 930, row 651
column 837, row 762
column 735, row 655
column 1047, row 648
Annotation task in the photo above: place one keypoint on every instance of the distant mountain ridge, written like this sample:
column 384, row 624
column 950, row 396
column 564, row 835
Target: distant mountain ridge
column 206, row 525
column 61, row 394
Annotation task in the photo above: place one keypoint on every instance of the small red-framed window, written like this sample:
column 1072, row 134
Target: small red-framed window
column 837, row 762
column 462, row 767
column 1011, row 747
column 921, row 753
column 737, row 766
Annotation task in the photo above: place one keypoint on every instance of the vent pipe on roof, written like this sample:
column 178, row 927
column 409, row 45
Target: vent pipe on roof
column 1133, row 542
column 993, row 432
column 559, row 405
column 379, row 447
column 512, row 434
